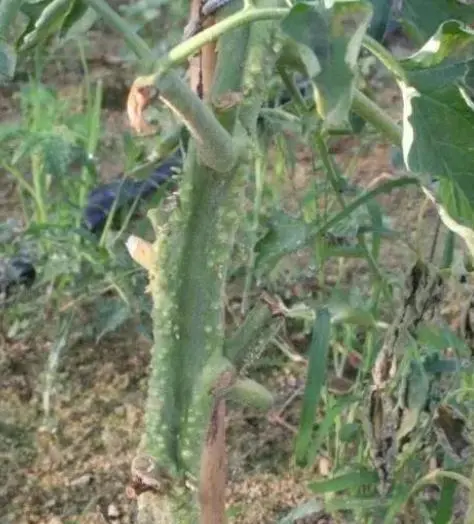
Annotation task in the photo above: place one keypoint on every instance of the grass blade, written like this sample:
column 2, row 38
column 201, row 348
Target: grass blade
column 352, row 480
column 318, row 353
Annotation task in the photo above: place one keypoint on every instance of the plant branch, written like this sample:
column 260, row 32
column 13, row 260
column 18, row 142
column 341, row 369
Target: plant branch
column 387, row 59
column 370, row 111
column 298, row 99
column 361, row 104
column 214, row 144
column 244, row 16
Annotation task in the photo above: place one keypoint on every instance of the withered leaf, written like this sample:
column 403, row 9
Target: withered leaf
column 452, row 431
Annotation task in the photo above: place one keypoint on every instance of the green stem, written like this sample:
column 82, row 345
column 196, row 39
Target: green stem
column 301, row 108
column 329, row 168
column 361, row 104
column 245, row 16
column 298, row 99
column 437, row 474
column 116, row 22
column 386, row 187
column 470, row 510
column 370, row 111
column 19, row 178
column 387, row 59
column 448, row 251
column 215, row 145
column 37, row 169
column 434, row 243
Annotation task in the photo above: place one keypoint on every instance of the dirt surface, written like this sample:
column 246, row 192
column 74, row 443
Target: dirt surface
column 77, row 472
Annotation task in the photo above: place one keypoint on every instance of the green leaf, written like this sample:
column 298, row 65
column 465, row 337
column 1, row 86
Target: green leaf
column 74, row 15
column 7, row 61
column 56, row 151
column 349, row 432
column 111, row 315
column 352, row 480
column 334, row 35
column 286, row 235
column 345, row 313
column 447, row 499
column 48, row 22
column 303, row 510
column 380, row 18
column 438, row 121
column 354, row 504
column 396, row 502
column 440, row 337
column 426, row 21
column 289, row 234
column 318, row 353
column 327, row 423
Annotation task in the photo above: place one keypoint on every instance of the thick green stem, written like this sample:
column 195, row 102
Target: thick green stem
column 370, row 111
column 215, row 145
column 190, row 275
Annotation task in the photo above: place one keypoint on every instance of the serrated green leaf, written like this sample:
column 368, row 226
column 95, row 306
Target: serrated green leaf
column 352, row 480
column 112, row 314
column 317, row 364
column 55, row 151
column 334, row 35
